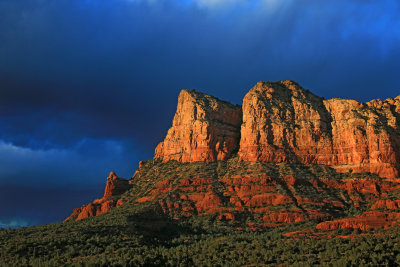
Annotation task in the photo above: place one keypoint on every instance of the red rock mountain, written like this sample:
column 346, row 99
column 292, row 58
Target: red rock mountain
column 282, row 122
column 284, row 156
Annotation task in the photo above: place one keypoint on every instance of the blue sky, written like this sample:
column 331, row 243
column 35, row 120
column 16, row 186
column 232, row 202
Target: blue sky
column 90, row 86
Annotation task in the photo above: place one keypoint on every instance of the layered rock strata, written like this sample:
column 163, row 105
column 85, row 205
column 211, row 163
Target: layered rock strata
column 282, row 122
column 204, row 129
column 259, row 194
column 256, row 194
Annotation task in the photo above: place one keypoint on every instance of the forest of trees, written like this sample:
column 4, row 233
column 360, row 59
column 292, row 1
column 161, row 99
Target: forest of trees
column 97, row 242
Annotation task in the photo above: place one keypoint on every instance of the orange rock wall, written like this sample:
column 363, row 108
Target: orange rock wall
column 204, row 129
column 282, row 122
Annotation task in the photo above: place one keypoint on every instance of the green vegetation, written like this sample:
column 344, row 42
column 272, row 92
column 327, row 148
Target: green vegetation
column 118, row 241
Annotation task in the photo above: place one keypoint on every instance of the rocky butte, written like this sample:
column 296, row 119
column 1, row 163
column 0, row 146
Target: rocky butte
column 282, row 122
column 204, row 129
column 284, row 156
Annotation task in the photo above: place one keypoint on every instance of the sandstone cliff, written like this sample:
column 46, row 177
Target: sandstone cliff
column 204, row 129
column 282, row 122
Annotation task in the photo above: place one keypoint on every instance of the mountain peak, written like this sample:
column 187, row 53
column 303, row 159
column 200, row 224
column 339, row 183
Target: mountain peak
column 290, row 84
column 204, row 128
column 281, row 90
column 112, row 176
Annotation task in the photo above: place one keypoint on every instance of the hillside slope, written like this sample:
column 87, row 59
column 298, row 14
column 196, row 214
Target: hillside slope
column 220, row 213
column 261, row 194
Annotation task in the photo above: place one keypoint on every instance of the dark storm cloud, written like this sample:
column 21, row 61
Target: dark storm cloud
column 89, row 86
column 44, row 205
column 117, row 66
column 84, row 164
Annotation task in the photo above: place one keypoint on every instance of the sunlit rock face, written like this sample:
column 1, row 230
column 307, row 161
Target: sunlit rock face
column 204, row 129
column 115, row 186
column 283, row 122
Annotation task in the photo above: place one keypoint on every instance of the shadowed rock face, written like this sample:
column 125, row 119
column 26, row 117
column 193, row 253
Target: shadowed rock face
column 204, row 129
column 282, row 122
column 115, row 186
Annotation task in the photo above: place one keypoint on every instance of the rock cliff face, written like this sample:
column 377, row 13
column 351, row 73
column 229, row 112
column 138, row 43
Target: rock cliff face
column 282, row 122
column 204, row 129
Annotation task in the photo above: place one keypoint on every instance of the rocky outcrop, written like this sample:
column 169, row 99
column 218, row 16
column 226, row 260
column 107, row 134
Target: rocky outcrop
column 93, row 209
column 283, row 122
column 386, row 204
column 115, row 186
column 204, row 129
column 365, row 221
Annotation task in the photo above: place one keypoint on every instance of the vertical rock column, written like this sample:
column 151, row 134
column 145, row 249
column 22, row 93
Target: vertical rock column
column 204, row 128
column 284, row 122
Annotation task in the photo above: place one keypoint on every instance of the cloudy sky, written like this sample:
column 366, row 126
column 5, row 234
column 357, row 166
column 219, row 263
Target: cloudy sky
column 90, row 86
